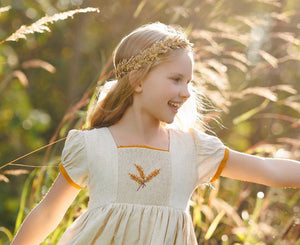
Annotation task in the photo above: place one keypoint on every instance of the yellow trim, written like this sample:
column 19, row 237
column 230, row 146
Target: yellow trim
column 221, row 166
column 142, row 146
column 67, row 177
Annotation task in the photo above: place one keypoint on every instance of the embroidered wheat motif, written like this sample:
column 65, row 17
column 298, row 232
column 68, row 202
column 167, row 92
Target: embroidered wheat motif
column 143, row 179
column 152, row 175
column 140, row 170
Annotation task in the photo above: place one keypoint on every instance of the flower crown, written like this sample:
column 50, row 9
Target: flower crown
column 151, row 54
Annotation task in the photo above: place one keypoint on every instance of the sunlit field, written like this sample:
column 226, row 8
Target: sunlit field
column 54, row 54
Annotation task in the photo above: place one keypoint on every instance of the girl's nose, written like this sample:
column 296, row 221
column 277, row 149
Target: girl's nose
column 184, row 92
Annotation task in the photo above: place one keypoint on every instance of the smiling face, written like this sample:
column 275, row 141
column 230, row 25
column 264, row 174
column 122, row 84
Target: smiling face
column 165, row 88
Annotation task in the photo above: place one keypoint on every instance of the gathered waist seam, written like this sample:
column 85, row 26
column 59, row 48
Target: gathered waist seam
column 136, row 205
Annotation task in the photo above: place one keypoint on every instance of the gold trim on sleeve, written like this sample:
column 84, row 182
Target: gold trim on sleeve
column 67, row 177
column 221, row 166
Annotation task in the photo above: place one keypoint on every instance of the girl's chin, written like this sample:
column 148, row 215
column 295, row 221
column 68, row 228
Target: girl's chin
column 169, row 121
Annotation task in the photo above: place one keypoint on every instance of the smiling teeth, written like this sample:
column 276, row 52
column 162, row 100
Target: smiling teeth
column 177, row 105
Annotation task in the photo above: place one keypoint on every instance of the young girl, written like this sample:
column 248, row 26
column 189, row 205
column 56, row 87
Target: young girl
column 139, row 171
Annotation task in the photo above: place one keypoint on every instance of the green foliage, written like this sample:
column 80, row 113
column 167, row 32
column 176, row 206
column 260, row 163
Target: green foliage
column 247, row 57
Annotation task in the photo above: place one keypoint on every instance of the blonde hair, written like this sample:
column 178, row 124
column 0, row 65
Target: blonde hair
column 112, row 107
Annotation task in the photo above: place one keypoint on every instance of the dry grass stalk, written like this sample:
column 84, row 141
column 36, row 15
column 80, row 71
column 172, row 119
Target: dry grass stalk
column 4, row 9
column 4, row 178
column 16, row 172
column 37, row 63
column 30, row 153
column 41, row 25
column 21, row 77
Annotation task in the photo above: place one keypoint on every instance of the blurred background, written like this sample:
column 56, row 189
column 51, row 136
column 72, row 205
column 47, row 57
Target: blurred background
column 247, row 55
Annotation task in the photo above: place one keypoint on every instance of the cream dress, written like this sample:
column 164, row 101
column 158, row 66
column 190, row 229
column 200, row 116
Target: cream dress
column 138, row 194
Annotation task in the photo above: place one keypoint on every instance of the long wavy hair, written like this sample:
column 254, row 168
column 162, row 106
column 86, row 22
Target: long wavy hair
column 120, row 96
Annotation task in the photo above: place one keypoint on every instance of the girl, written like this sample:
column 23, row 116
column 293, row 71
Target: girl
column 139, row 171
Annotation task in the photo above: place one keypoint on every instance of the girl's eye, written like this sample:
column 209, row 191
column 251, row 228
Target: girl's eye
column 176, row 79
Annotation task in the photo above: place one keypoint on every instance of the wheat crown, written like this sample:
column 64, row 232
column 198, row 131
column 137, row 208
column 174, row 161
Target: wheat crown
column 151, row 54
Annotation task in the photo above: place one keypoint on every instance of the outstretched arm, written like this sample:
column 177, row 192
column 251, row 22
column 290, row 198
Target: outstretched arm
column 266, row 171
column 47, row 214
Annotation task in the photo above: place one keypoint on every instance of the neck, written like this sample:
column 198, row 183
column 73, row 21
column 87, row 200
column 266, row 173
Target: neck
column 140, row 125
column 134, row 129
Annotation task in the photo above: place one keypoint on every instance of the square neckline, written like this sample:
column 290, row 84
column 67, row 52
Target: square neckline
column 142, row 146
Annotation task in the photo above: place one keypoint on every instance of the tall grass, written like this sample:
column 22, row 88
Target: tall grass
column 232, row 68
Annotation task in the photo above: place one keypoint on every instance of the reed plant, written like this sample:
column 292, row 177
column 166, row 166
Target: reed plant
column 243, row 56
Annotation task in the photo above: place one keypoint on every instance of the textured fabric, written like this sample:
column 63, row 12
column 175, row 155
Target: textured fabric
column 74, row 157
column 138, row 195
column 209, row 153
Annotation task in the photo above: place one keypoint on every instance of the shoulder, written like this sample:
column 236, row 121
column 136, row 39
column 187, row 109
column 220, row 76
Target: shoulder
column 75, row 137
column 98, row 137
column 195, row 134
column 180, row 134
column 206, row 144
column 181, row 139
column 191, row 133
column 86, row 136
column 95, row 131
column 202, row 136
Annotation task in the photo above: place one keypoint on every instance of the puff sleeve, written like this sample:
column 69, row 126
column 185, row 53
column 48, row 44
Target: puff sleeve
column 74, row 159
column 211, row 156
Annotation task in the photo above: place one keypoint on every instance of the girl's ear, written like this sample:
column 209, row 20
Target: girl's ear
column 138, row 88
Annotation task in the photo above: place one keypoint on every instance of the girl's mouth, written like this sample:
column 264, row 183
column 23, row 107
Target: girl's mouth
column 174, row 106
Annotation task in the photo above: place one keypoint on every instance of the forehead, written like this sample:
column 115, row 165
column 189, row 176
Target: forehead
column 178, row 62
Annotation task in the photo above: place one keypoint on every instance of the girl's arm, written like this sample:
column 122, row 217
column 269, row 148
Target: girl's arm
column 47, row 214
column 266, row 171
